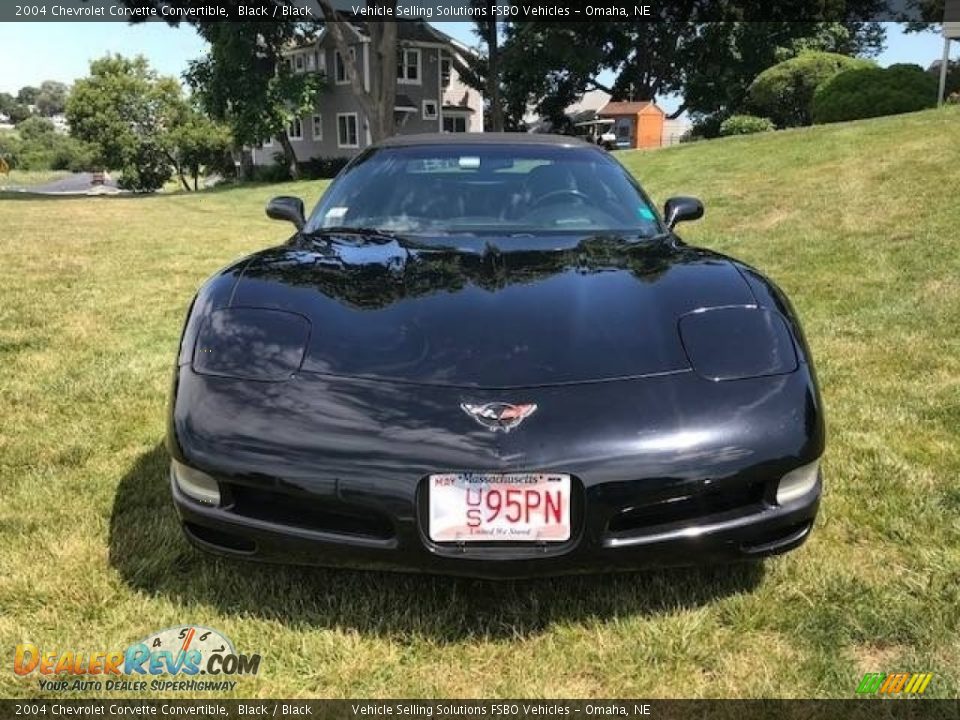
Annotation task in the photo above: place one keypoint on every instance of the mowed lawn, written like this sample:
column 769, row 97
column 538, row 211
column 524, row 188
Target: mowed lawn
column 859, row 223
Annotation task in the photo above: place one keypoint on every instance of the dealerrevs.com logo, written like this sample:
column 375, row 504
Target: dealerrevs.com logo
column 186, row 657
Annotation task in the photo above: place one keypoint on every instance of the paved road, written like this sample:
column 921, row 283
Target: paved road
column 76, row 184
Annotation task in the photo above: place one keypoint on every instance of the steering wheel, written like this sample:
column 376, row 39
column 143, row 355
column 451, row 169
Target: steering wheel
column 557, row 194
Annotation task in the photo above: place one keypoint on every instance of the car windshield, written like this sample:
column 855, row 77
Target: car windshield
column 477, row 188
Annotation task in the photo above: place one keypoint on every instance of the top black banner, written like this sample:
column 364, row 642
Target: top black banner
column 309, row 11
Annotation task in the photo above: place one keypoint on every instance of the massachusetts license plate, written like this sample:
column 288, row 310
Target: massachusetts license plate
column 510, row 507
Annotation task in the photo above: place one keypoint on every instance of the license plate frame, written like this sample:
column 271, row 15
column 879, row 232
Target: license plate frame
column 543, row 517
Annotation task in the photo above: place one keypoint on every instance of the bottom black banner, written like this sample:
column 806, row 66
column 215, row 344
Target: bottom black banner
column 865, row 709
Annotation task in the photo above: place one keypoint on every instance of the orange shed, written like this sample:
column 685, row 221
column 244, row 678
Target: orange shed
column 636, row 124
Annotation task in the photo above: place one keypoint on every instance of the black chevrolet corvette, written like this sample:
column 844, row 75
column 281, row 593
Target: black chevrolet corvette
column 489, row 355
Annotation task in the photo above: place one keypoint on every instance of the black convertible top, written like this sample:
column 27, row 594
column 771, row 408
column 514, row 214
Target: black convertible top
column 484, row 138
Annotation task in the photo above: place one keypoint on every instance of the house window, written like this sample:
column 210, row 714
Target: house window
column 311, row 61
column 408, row 66
column 347, row 136
column 455, row 124
column 317, row 127
column 298, row 62
column 340, row 70
column 429, row 109
column 445, row 71
column 295, row 129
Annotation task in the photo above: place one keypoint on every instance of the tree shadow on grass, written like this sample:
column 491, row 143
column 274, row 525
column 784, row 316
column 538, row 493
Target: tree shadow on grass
column 149, row 552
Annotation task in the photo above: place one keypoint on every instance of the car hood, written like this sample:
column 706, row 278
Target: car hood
column 491, row 313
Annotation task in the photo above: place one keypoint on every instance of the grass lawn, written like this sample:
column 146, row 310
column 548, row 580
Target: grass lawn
column 860, row 223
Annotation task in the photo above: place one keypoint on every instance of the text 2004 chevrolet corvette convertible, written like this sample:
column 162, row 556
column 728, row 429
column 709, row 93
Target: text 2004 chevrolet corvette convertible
column 489, row 355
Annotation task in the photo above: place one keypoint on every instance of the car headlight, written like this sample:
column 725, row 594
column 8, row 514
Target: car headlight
column 195, row 484
column 797, row 483
column 735, row 343
column 251, row 344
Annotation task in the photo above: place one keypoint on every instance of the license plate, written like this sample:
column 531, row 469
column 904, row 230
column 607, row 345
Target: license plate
column 512, row 507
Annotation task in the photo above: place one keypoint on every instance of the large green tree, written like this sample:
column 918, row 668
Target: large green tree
column 548, row 65
column 52, row 98
column 245, row 83
column 128, row 113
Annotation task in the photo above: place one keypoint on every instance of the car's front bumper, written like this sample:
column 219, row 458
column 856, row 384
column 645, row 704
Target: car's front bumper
column 751, row 532
column 668, row 470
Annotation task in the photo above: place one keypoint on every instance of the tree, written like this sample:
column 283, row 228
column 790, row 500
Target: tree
column 199, row 142
column 126, row 112
column 874, row 92
column 378, row 102
column 52, row 98
column 7, row 101
column 35, row 128
column 18, row 112
column 727, row 57
column 28, row 95
column 784, row 92
column 245, row 83
column 488, row 68
column 710, row 64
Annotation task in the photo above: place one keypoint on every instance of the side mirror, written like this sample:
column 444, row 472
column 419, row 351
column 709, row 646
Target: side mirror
column 680, row 209
column 287, row 208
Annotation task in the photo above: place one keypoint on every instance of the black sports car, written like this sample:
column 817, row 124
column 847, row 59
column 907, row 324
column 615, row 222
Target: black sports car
column 489, row 355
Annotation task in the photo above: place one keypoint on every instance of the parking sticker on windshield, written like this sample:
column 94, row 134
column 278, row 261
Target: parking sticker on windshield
column 336, row 213
column 645, row 212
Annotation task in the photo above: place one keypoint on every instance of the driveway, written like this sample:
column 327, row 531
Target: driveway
column 76, row 184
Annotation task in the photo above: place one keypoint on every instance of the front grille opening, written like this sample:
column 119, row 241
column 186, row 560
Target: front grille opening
column 309, row 513
column 775, row 539
column 221, row 539
column 687, row 508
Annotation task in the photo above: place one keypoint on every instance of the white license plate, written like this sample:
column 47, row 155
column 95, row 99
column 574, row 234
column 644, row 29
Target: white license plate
column 510, row 507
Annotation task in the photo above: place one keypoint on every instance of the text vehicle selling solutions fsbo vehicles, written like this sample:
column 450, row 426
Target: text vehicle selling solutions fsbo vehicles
column 490, row 355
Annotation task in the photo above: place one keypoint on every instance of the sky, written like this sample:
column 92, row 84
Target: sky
column 33, row 52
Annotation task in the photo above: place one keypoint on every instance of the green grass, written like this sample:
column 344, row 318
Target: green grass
column 860, row 223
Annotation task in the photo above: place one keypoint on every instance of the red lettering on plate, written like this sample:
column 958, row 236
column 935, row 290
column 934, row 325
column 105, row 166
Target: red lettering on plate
column 473, row 517
column 533, row 502
column 492, row 495
column 513, row 501
column 553, row 506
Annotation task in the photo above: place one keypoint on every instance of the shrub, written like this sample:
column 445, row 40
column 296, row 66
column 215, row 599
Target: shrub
column 704, row 127
column 34, row 147
column 745, row 125
column 318, row 168
column 11, row 147
column 274, row 173
column 784, row 92
column 873, row 92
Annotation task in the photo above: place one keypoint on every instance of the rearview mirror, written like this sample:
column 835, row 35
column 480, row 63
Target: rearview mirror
column 287, row 208
column 679, row 209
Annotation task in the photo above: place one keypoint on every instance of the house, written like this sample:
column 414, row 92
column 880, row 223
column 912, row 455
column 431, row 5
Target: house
column 637, row 124
column 431, row 97
column 585, row 108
